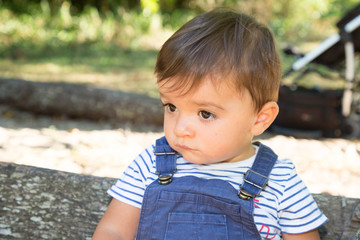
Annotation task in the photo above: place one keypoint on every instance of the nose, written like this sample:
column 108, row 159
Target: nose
column 184, row 127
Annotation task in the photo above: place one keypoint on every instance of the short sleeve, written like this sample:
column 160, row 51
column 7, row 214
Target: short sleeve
column 130, row 187
column 298, row 211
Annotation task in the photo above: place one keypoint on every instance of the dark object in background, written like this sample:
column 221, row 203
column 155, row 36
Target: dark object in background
column 324, row 113
column 310, row 110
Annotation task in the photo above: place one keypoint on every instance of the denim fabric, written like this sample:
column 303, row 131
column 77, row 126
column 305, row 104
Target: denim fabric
column 194, row 208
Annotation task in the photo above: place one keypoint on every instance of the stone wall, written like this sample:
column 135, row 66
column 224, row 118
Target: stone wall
column 37, row 203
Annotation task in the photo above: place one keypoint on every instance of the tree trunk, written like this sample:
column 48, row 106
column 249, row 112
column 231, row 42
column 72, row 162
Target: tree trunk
column 80, row 101
column 37, row 203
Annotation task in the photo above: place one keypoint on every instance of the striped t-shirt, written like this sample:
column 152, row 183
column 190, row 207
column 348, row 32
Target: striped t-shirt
column 285, row 205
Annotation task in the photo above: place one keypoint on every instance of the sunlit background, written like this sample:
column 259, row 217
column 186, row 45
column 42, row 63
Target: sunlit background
column 113, row 44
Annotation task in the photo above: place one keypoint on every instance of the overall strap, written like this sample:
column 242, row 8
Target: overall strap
column 256, row 178
column 165, row 161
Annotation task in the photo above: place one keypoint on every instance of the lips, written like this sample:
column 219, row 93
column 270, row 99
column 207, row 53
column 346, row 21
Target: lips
column 184, row 147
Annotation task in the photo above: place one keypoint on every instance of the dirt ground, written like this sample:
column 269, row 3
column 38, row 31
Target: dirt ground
column 106, row 148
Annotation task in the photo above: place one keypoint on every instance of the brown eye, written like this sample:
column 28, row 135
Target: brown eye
column 206, row 115
column 170, row 107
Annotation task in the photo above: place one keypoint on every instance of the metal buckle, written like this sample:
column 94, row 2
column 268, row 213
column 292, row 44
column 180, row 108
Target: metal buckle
column 165, row 179
column 255, row 185
column 244, row 194
column 164, row 153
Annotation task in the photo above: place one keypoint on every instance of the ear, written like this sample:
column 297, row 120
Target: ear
column 265, row 117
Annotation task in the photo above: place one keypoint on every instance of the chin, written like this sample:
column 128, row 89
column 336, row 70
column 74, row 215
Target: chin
column 197, row 160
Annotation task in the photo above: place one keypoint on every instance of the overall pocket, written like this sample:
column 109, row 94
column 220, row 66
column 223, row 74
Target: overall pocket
column 189, row 226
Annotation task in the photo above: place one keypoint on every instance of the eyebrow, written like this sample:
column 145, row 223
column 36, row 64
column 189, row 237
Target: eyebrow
column 198, row 103
column 207, row 104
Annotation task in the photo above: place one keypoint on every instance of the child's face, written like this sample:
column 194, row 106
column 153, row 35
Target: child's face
column 210, row 124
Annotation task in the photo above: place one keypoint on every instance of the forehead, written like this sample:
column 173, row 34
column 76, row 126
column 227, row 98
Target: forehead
column 182, row 87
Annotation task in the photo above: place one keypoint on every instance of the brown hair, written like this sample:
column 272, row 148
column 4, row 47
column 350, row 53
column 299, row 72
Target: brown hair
column 224, row 45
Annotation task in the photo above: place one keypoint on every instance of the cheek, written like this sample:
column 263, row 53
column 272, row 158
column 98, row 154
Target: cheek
column 213, row 137
column 168, row 124
column 232, row 132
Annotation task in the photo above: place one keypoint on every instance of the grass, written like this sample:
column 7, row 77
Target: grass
column 104, row 50
column 129, row 70
column 99, row 66
column 117, row 52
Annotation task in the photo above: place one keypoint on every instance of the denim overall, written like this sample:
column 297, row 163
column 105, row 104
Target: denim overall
column 195, row 208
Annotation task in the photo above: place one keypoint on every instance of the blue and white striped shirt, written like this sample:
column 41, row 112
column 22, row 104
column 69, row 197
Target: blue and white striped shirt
column 285, row 205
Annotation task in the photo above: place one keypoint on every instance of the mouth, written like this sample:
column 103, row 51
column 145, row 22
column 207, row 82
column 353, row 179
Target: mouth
column 184, row 147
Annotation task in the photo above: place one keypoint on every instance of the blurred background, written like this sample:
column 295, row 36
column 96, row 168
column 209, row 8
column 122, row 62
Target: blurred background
column 113, row 43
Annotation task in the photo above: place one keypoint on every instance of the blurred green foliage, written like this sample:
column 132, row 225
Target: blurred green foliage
column 97, row 33
column 125, row 22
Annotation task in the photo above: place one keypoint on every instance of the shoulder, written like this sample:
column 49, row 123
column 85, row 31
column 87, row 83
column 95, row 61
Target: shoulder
column 144, row 163
column 283, row 168
column 131, row 185
column 282, row 177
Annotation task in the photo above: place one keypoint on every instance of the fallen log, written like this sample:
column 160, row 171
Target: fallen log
column 37, row 203
column 80, row 101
